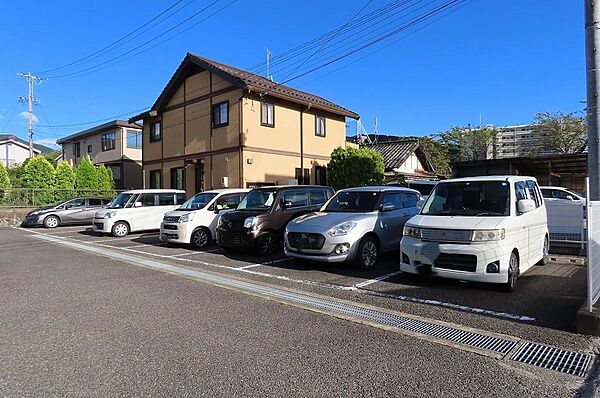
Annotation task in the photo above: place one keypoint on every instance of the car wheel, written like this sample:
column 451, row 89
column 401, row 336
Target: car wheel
column 368, row 253
column 200, row 238
column 266, row 244
column 545, row 252
column 513, row 273
column 120, row 229
column 51, row 222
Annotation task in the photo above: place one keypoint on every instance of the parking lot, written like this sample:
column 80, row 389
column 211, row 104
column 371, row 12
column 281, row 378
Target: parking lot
column 547, row 296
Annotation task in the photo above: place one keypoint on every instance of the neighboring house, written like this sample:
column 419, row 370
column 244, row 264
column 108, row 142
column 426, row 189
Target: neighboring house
column 215, row 126
column 404, row 157
column 567, row 171
column 116, row 144
column 14, row 151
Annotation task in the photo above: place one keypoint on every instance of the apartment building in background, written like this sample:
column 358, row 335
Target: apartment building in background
column 14, row 151
column 217, row 126
column 518, row 141
column 116, row 144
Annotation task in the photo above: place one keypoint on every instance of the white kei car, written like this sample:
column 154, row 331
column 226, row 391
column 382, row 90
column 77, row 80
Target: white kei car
column 195, row 221
column 483, row 229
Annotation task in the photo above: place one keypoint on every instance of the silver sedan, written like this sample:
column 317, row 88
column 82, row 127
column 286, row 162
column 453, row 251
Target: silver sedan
column 357, row 224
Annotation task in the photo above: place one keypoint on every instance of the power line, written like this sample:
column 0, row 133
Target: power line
column 108, row 119
column 122, row 39
column 139, row 46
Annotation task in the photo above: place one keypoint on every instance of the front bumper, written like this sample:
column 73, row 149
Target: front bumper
column 33, row 221
column 419, row 257
column 236, row 239
column 102, row 225
column 327, row 252
column 175, row 232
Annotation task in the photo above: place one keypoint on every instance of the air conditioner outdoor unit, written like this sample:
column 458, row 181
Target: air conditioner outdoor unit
column 225, row 182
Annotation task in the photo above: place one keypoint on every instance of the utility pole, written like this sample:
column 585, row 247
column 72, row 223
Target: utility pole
column 269, row 54
column 30, row 101
column 592, row 56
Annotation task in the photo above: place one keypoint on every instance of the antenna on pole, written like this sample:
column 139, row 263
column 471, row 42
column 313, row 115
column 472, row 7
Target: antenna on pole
column 269, row 54
column 376, row 130
column 30, row 102
column 362, row 137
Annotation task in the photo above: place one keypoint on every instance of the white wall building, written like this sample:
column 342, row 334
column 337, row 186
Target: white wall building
column 14, row 151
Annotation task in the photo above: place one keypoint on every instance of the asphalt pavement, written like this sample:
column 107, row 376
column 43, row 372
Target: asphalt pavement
column 81, row 324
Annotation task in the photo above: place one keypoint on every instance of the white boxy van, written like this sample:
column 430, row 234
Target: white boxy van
column 195, row 221
column 485, row 229
column 137, row 210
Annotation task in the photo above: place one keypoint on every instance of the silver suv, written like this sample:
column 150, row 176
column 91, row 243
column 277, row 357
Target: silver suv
column 356, row 224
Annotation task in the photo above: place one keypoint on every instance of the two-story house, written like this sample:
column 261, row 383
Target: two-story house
column 116, row 144
column 14, row 151
column 216, row 126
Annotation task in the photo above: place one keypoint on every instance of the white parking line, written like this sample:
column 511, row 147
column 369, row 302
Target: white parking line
column 378, row 279
column 144, row 245
column 436, row 303
column 265, row 263
column 218, row 249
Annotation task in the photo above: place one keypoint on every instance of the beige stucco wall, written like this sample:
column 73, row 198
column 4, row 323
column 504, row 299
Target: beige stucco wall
column 335, row 134
column 284, row 136
column 152, row 150
column 172, row 133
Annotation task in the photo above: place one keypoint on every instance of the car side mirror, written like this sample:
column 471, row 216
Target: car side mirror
column 420, row 203
column 286, row 204
column 525, row 205
column 137, row 204
column 388, row 207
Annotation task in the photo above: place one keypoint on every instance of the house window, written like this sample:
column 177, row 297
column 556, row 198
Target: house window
column 267, row 114
column 77, row 149
column 320, row 175
column 220, row 114
column 177, row 178
column 134, row 139
column 155, row 179
column 108, row 141
column 90, row 148
column 302, row 178
column 155, row 131
column 319, row 126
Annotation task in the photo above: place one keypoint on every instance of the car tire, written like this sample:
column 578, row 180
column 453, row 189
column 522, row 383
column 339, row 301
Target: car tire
column 367, row 253
column 513, row 273
column 200, row 238
column 120, row 229
column 51, row 222
column 266, row 244
column 545, row 252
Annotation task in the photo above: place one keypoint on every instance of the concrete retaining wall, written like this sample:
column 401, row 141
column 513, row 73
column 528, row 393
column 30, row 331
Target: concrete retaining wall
column 12, row 217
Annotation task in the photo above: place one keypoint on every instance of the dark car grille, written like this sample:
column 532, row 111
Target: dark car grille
column 231, row 239
column 301, row 240
column 458, row 262
column 98, row 225
column 171, row 219
column 172, row 227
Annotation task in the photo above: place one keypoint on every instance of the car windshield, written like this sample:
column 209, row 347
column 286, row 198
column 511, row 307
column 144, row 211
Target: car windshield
column 353, row 201
column 199, row 201
column 120, row 201
column 469, row 198
column 258, row 199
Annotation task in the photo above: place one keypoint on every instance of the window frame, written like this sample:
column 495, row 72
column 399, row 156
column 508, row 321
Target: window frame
column 153, row 135
column 264, row 104
column 138, row 138
column 217, row 106
column 77, row 149
column 324, row 132
column 174, row 171
column 105, row 143
column 152, row 174
column 89, row 148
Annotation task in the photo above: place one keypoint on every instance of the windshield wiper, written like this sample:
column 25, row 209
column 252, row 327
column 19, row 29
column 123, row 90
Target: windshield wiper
column 489, row 213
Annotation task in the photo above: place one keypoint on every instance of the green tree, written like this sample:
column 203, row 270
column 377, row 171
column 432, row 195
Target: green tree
column 39, row 174
column 352, row 167
column 64, row 181
column 4, row 180
column 437, row 153
column 564, row 133
column 86, row 177
column 467, row 143
column 106, row 182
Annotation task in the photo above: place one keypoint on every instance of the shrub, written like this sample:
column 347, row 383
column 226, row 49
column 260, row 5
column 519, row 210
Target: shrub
column 352, row 167
column 39, row 174
column 64, row 181
column 86, row 177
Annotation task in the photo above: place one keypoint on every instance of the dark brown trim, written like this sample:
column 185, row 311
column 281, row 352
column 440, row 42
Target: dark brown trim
column 184, row 119
column 201, row 98
column 212, row 108
column 285, row 153
column 211, row 124
column 240, row 140
column 301, row 141
column 261, row 114
column 150, row 130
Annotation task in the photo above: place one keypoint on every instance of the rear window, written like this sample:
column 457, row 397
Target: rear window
column 166, row 199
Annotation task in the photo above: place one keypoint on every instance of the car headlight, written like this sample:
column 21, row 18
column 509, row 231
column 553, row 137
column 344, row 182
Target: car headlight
column 186, row 217
column 412, row 232
column 342, row 229
column 110, row 214
column 250, row 222
column 484, row 235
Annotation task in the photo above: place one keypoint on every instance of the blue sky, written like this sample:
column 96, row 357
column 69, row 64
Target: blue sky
column 502, row 61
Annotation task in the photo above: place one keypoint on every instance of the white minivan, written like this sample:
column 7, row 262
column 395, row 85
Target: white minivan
column 137, row 210
column 195, row 221
column 484, row 229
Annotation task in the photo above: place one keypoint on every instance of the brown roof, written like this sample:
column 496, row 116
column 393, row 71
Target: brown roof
column 396, row 152
column 98, row 129
column 244, row 79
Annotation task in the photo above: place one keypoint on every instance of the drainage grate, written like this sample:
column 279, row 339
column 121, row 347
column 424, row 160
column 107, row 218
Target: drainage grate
column 553, row 358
